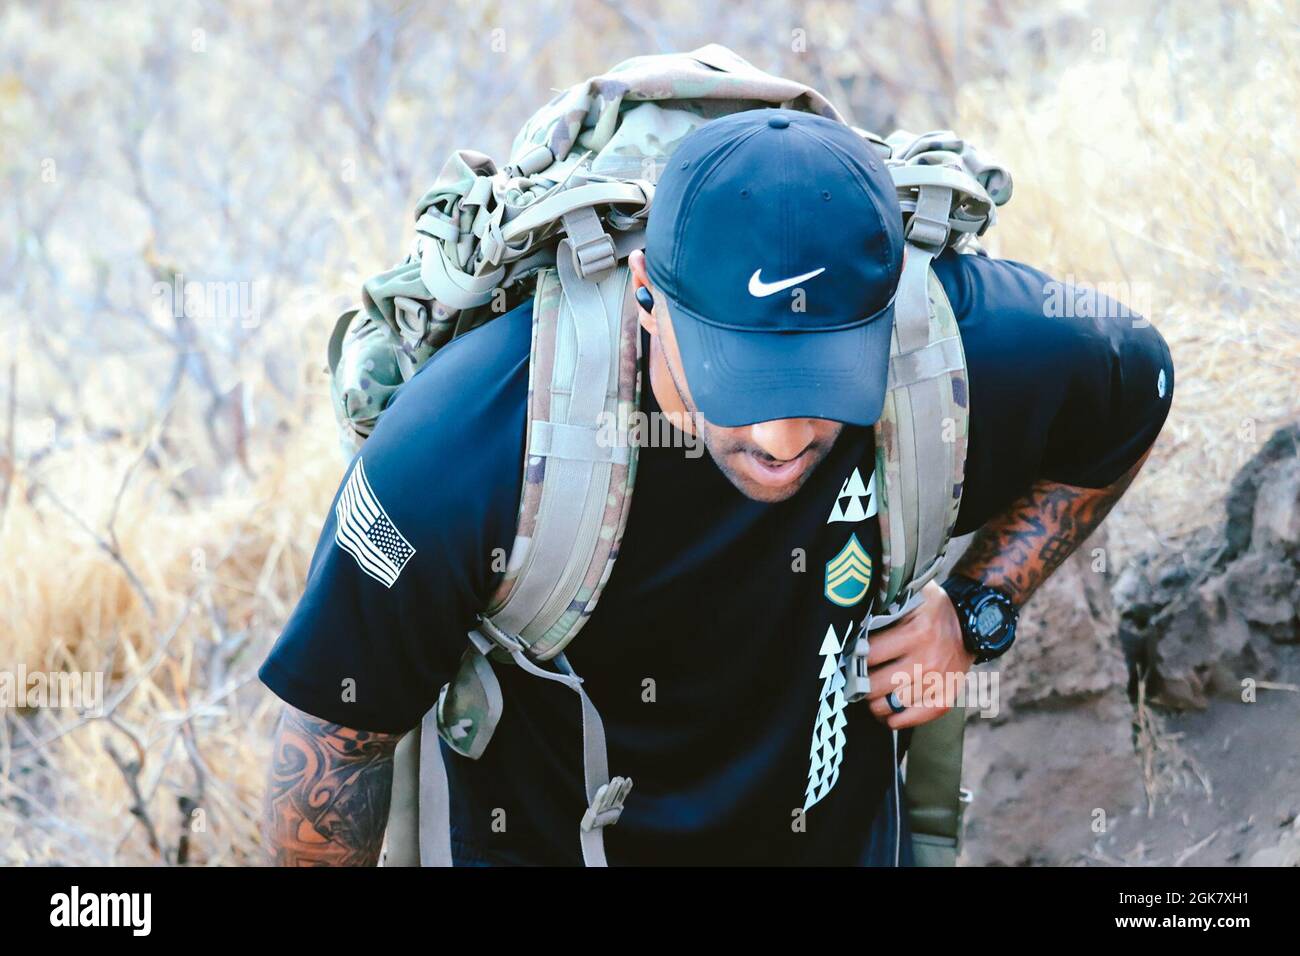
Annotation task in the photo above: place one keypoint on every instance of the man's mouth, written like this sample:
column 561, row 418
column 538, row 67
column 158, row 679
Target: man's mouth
column 771, row 472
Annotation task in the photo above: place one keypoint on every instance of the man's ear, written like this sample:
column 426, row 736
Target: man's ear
column 641, row 280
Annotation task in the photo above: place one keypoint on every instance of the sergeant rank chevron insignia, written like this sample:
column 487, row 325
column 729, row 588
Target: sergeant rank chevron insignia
column 848, row 574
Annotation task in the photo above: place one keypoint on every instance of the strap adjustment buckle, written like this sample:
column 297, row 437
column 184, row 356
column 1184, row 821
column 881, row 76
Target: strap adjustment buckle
column 594, row 256
column 607, row 805
column 590, row 246
column 487, row 635
column 930, row 221
column 857, row 682
column 927, row 231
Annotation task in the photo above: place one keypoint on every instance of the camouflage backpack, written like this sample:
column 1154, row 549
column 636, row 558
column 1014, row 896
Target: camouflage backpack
column 557, row 223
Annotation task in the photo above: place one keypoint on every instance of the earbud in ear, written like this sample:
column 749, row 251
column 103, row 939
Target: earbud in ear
column 645, row 299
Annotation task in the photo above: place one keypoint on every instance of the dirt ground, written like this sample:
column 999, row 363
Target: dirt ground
column 1235, row 800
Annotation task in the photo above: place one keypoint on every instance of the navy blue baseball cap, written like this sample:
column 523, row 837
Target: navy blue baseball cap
column 777, row 238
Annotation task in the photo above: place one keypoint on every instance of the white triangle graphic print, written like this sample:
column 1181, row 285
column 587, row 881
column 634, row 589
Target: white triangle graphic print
column 828, row 739
column 855, row 502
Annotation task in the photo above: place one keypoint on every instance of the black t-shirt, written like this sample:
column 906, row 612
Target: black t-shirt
column 706, row 654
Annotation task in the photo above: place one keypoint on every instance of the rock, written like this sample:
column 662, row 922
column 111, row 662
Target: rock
column 1242, row 495
column 1260, row 586
column 1200, row 621
column 1276, row 524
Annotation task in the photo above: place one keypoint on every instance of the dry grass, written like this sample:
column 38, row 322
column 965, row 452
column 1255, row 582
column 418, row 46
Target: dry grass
column 1160, row 171
column 133, row 539
column 179, row 649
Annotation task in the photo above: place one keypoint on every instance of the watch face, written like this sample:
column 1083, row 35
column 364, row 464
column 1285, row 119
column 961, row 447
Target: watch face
column 988, row 619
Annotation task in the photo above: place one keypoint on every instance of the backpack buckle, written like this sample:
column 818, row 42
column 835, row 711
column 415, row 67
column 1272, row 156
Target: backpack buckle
column 931, row 214
column 487, row 635
column 590, row 246
column 594, row 256
column 857, row 681
column 607, row 806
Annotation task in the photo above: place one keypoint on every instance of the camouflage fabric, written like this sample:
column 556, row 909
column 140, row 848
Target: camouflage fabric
column 890, row 459
column 706, row 83
column 468, row 708
column 546, row 308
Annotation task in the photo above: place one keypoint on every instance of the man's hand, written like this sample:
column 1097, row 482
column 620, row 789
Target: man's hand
column 928, row 637
column 328, row 793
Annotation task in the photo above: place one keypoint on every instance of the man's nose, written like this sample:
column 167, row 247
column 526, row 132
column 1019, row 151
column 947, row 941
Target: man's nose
column 784, row 438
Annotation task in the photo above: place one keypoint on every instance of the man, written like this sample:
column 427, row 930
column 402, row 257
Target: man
column 767, row 284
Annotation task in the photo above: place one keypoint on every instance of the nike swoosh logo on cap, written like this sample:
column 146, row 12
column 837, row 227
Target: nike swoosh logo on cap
column 758, row 288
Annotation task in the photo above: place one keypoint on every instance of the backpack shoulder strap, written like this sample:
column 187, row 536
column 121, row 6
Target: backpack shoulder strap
column 579, row 468
column 921, row 458
column 584, row 378
column 921, row 443
column 921, row 435
column 935, row 798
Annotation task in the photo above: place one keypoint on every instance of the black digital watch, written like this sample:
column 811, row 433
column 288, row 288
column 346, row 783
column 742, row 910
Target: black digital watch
column 988, row 617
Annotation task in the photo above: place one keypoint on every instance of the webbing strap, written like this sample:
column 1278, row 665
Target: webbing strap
column 887, row 617
column 553, row 207
column 912, row 331
column 932, row 476
column 933, row 787
column 553, row 541
column 947, row 177
column 595, row 341
column 402, row 837
column 589, row 244
column 930, row 361
column 435, row 797
column 912, row 301
column 557, row 440
column 898, row 800
column 605, row 797
column 450, row 284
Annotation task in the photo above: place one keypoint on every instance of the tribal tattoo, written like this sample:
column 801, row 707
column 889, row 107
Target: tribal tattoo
column 328, row 794
column 1019, row 549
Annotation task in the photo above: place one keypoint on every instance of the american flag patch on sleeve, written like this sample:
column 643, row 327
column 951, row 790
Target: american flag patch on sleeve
column 365, row 531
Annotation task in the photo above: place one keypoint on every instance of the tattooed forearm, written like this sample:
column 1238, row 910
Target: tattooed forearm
column 1018, row 550
column 328, row 793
